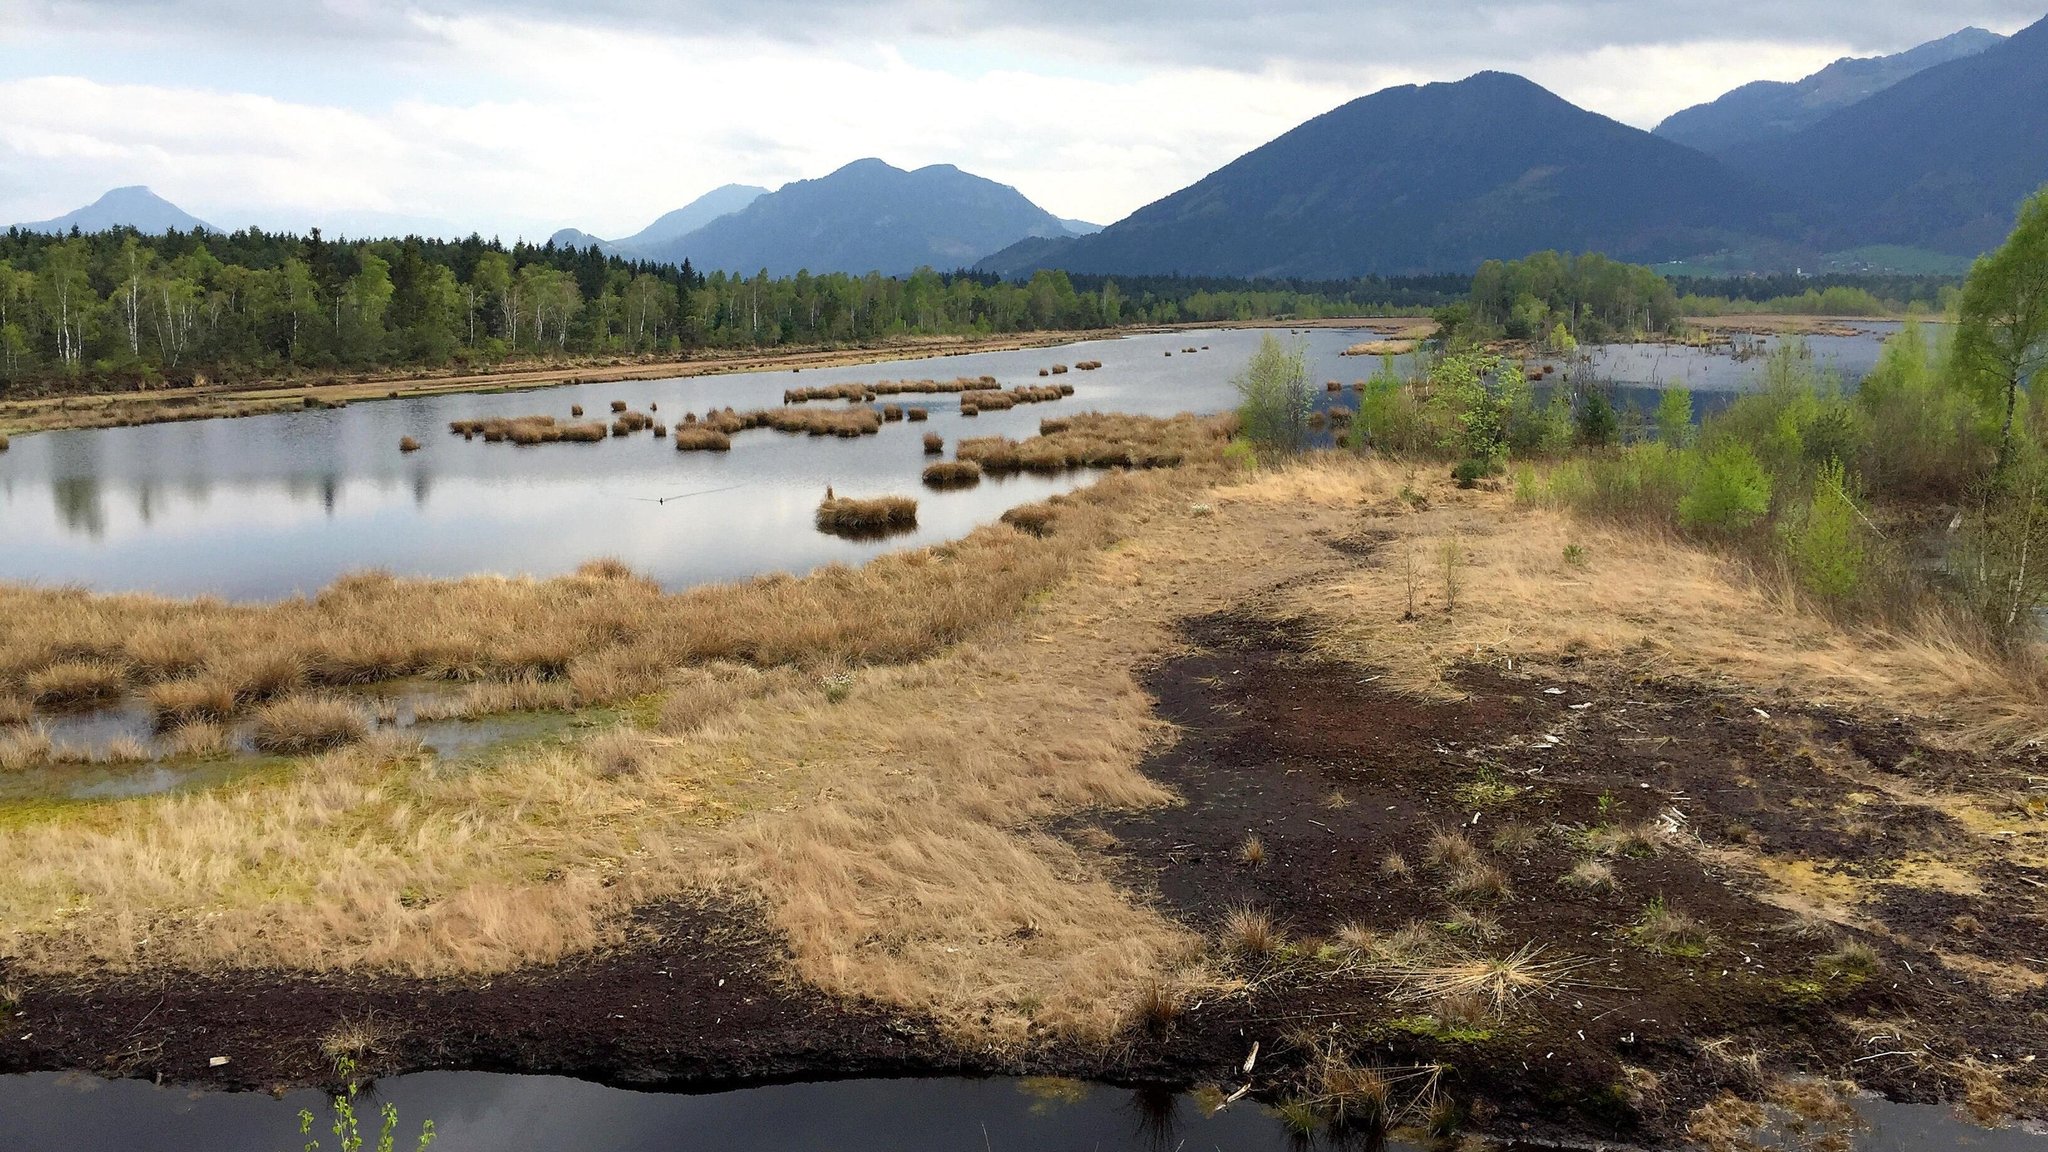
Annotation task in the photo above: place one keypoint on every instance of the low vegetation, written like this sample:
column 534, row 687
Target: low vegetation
column 851, row 517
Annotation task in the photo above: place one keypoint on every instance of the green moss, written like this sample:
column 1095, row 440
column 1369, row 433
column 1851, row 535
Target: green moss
column 1430, row 1028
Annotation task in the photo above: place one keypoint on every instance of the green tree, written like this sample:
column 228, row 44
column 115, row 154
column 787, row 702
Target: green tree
column 1827, row 544
column 1674, row 417
column 1274, row 399
column 2002, row 336
column 1731, row 492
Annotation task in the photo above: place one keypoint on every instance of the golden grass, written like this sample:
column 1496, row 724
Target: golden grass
column 1096, row 440
column 889, row 827
column 23, row 747
column 176, row 703
column 952, row 474
column 934, row 444
column 76, row 683
column 850, row 516
column 408, row 444
column 698, row 438
column 297, row 725
column 862, row 393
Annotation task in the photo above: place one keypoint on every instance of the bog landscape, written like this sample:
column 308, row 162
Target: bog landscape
column 1472, row 625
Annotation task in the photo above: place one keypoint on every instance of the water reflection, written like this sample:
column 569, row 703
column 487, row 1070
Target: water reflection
column 268, row 506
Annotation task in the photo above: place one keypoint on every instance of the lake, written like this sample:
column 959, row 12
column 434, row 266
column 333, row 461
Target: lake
column 269, row 506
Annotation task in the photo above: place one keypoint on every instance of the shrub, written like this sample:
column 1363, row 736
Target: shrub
column 1275, row 397
column 1674, row 418
column 1827, row 544
column 1595, row 421
column 1730, row 494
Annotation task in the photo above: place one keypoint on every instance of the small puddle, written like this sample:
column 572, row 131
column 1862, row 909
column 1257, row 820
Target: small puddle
column 484, row 1112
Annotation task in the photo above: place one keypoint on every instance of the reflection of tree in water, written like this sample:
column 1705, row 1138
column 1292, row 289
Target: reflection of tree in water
column 422, row 487
column 80, row 504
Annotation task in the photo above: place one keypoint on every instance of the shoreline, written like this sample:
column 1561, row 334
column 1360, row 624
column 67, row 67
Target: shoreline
column 226, row 401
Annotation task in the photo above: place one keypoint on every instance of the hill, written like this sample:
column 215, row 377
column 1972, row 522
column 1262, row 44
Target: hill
column 134, row 207
column 1770, row 110
column 1938, row 161
column 673, row 226
column 867, row 216
column 1427, row 179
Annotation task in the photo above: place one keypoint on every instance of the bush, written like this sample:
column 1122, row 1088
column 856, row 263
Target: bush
column 1597, row 424
column 1674, row 418
column 1730, row 494
column 1827, row 543
column 1275, row 397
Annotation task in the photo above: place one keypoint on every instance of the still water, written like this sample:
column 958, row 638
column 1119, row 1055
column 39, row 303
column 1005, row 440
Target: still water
column 485, row 1112
column 270, row 506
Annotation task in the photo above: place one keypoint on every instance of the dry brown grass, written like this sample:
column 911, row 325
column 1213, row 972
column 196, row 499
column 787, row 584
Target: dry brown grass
column 893, row 840
column 934, row 444
column 23, row 747
column 952, row 474
column 1249, row 932
column 698, row 438
column 175, row 703
column 1095, row 440
column 408, row 444
column 848, row 516
column 76, row 683
column 297, row 725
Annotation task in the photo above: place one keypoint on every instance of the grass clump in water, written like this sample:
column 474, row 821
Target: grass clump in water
column 849, row 517
column 297, row 725
column 953, row 474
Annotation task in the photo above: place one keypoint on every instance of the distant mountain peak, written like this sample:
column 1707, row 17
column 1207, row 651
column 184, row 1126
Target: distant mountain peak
column 1767, row 111
column 868, row 216
column 130, row 206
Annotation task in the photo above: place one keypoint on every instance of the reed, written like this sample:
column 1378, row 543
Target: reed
column 298, row 725
column 952, row 474
column 934, row 444
column 867, row 517
column 697, row 438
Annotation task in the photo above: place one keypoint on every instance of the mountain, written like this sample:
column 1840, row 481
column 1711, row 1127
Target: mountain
column 697, row 213
column 579, row 239
column 1938, row 161
column 867, row 216
column 1770, row 110
column 1428, row 179
column 135, row 207
column 1080, row 227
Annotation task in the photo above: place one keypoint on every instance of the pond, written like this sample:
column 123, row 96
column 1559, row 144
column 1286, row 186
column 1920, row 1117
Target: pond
column 269, row 506
column 486, row 1112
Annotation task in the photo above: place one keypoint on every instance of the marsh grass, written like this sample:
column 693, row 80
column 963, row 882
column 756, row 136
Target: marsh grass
column 299, row 725
column 934, row 444
column 1249, row 932
column 76, row 683
column 697, row 438
column 1095, row 440
column 846, row 516
column 175, row 703
column 408, row 444
column 1661, row 928
column 952, row 474
column 23, row 747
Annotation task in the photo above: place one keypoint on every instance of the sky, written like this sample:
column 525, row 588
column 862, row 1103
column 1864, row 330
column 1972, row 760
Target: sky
column 518, row 117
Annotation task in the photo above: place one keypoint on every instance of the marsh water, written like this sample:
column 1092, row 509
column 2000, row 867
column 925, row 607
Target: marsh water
column 485, row 1112
column 269, row 506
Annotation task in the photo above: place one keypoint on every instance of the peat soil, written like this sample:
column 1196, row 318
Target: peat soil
column 1680, row 791
column 1677, row 790
column 696, row 1001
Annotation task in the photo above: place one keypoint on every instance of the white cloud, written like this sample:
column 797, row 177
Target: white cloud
column 605, row 113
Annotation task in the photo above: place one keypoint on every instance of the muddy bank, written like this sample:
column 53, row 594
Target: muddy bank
column 1687, row 799
column 1674, row 795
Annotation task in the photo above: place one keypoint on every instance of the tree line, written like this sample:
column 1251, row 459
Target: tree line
column 120, row 307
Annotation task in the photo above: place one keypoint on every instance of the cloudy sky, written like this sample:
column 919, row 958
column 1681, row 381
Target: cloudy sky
column 516, row 117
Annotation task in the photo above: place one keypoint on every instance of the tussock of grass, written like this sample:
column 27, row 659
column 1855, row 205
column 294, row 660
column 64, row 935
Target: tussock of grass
column 176, row 703
column 867, row 393
column 934, row 444
column 1590, row 876
column 1252, row 853
column 15, row 710
column 297, row 725
column 698, row 438
column 1450, row 849
column 1394, row 866
column 23, row 747
column 860, row 517
column 1478, row 880
column 1249, row 932
column 76, row 683
column 917, row 415
column 1095, row 440
column 952, row 474
column 198, row 740
column 1037, row 519
column 408, row 444
column 1661, row 928
column 1496, row 982
column 618, row 752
